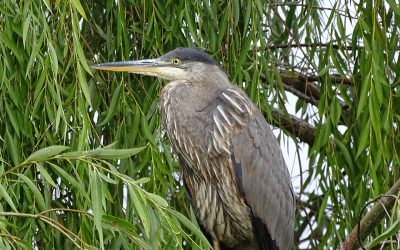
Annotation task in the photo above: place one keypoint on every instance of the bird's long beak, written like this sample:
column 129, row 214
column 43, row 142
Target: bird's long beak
column 147, row 67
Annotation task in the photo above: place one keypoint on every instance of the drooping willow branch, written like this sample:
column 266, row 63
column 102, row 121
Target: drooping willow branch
column 304, row 85
column 372, row 218
column 75, row 239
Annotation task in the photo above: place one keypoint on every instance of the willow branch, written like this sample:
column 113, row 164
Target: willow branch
column 372, row 218
column 301, row 129
column 301, row 86
column 304, row 86
column 334, row 78
column 75, row 239
column 306, row 83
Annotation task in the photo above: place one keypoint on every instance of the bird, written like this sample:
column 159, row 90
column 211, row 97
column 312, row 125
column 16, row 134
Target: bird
column 231, row 164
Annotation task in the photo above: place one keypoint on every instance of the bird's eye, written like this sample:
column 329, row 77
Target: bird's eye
column 176, row 61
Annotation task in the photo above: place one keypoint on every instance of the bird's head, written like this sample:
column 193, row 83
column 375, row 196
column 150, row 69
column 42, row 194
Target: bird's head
column 178, row 64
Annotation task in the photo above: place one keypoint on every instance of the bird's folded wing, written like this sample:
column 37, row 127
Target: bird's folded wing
column 262, row 175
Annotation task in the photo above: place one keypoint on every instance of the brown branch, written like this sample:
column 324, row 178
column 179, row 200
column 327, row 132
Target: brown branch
column 305, row 83
column 302, row 83
column 303, row 86
column 300, row 95
column 301, row 129
column 335, row 79
column 372, row 218
column 305, row 89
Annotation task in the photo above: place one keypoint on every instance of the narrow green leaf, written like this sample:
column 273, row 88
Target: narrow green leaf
column 140, row 209
column 107, row 179
column 345, row 153
column 336, row 111
column 46, row 153
column 147, row 132
column 37, row 45
column 79, row 52
column 25, row 29
column 245, row 48
column 364, row 26
column 324, row 70
column 46, row 175
column 12, row 148
column 97, row 197
column 47, row 3
column 246, row 19
column 40, row 82
column 100, row 31
column 127, row 228
column 38, row 196
column 364, row 136
column 7, row 198
column 236, row 12
column 111, row 109
column 71, row 181
column 13, row 120
column 111, row 145
column 142, row 180
column 392, row 230
column 379, row 82
column 375, row 117
column 364, row 94
column 54, row 60
column 339, row 25
column 11, row 45
column 102, row 153
column 321, row 213
column 192, row 227
column 325, row 133
column 59, row 114
column 222, row 28
column 394, row 6
column 260, row 7
column 78, row 6
column 83, row 84
column 158, row 199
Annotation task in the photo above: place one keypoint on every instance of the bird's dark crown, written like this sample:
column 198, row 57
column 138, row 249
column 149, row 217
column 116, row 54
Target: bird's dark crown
column 190, row 55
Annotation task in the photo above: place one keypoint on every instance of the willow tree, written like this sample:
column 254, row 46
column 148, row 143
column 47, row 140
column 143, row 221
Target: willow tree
column 84, row 163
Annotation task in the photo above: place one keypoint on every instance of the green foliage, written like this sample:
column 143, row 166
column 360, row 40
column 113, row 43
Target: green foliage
column 84, row 163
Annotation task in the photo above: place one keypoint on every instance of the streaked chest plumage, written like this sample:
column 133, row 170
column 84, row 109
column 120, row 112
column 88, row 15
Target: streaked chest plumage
column 199, row 129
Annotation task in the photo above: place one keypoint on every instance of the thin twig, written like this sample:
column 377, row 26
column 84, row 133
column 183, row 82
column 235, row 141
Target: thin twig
column 70, row 235
column 321, row 45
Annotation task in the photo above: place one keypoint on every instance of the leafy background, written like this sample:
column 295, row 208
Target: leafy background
column 84, row 163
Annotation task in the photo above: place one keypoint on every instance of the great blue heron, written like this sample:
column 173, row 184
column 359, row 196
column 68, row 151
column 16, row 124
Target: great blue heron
column 232, row 166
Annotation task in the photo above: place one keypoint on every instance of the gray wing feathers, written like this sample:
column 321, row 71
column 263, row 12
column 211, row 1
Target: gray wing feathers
column 265, row 179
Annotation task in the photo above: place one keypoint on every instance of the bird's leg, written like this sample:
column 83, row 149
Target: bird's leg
column 216, row 245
